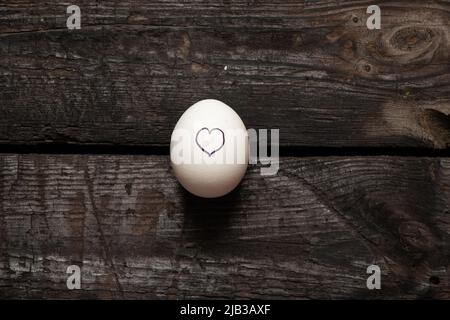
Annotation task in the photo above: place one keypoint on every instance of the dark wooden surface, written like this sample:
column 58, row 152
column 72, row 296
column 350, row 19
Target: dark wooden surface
column 309, row 232
column 309, row 68
column 312, row 69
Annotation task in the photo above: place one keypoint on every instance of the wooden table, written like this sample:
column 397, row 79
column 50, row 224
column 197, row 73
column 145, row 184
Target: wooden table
column 85, row 123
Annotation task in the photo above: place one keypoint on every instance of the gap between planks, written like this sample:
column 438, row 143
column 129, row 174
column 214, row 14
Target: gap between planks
column 284, row 151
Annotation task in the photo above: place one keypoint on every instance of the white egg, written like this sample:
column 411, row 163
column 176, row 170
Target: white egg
column 209, row 149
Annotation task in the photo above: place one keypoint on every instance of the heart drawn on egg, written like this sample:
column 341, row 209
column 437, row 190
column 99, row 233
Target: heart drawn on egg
column 210, row 140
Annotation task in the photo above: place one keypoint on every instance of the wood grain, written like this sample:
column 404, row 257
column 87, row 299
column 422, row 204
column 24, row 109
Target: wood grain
column 310, row 68
column 308, row 232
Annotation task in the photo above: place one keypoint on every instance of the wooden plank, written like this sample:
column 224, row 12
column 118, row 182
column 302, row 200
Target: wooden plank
column 310, row 68
column 308, row 232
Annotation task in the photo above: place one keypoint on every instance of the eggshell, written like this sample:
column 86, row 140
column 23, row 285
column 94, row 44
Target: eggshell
column 209, row 149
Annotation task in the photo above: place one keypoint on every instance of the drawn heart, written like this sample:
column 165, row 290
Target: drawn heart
column 210, row 140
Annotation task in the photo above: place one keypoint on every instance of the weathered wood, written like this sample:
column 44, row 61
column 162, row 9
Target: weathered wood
column 308, row 232
column 310, row 68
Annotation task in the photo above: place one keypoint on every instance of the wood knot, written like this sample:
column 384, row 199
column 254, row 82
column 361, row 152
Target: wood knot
column 363, row 67
column 410, row 39
column 398, row 51
column 407, row 45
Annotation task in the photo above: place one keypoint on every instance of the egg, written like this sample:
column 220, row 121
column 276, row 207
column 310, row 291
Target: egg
column 209, row 149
